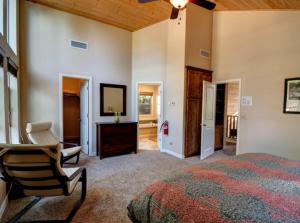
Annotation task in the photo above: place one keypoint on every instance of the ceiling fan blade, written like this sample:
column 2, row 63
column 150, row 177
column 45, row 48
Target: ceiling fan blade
column 204, row 3
column 175, row 13
column 146, row 1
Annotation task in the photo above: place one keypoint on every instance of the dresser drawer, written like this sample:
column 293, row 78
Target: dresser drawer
column 111, row 150
column 116, row 139
column 118, row 129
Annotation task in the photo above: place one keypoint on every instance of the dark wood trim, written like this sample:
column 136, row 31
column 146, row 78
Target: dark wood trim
column 285, row 95
column 12, row 68
column 198, row 69
column 102, row 86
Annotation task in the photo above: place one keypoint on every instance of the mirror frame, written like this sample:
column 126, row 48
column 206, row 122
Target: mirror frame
column 102, row 86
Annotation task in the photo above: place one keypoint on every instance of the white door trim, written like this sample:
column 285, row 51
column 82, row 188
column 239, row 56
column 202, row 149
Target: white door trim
column 239, row 80
column 61, row 114
column 158, row 83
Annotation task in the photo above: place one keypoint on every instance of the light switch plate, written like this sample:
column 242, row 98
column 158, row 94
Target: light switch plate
column 247, row 101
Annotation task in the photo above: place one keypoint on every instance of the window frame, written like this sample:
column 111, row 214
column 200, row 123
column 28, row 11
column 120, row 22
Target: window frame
column 9, row 55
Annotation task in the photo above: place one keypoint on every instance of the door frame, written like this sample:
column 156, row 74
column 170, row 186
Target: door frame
column 161, row 85
column 239, row 80
column 61, row 111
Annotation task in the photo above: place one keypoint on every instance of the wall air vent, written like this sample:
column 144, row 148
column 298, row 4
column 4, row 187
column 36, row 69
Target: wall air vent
column 205, row 53
column 78, row 45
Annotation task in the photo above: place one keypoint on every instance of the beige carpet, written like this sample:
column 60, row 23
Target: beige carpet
column 112, row 183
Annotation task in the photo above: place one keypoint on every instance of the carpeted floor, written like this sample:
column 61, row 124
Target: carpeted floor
column 112, row 183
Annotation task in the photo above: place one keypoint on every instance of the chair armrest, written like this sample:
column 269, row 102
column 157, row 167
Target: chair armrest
column 68, row 143
column 4, row 179
column 75, row 174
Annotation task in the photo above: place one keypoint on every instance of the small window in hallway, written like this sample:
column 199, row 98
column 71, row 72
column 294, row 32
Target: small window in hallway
column 145, row 103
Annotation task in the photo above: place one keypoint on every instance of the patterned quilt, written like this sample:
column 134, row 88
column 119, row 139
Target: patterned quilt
column 247, row 188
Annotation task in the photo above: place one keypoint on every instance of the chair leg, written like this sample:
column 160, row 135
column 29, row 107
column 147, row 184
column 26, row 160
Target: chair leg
column 19, row 215
column 72, row 214
column 64, row 160
column 83, row 180
column 78, row 156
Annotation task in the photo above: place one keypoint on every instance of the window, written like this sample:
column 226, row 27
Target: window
column 12, row 24
column 2, row 111
column 9, row 66
column 145, row 103
column 1, row 17
column 13, row 103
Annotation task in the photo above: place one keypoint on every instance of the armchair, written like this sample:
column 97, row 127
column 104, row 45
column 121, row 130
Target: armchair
column 40, row 133
column 37, row 171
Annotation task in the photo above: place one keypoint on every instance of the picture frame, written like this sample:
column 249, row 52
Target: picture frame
column 292, row 96
column 112, row 99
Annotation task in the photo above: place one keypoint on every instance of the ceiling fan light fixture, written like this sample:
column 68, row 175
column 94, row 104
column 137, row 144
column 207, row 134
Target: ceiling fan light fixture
column 179, row 4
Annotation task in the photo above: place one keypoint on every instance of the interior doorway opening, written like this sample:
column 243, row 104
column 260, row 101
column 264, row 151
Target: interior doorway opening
column 149, row 112
column 227, row 116
column 75, row 109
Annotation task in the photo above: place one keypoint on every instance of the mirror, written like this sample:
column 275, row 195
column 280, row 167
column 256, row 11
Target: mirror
column 112, row 99
column 145, row 103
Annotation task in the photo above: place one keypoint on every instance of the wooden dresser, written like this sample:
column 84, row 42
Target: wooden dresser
column 116, row 139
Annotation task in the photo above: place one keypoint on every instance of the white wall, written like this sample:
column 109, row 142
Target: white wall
column 45, row 52
column 199, row 25
column 262, row 48
column 149, row 56
column 159, row 55
column 174, row 90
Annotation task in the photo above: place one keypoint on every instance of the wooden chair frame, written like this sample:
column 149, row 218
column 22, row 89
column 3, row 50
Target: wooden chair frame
column 56, row 175
column 65, row 159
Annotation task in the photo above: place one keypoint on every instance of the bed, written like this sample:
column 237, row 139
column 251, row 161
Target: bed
column 246, row 188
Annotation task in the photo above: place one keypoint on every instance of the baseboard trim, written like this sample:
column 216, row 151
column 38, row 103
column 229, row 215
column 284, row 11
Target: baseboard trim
column 172, row 153
column 3, row 206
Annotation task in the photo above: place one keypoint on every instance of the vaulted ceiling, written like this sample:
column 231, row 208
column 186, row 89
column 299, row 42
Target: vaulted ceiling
column 132, row 16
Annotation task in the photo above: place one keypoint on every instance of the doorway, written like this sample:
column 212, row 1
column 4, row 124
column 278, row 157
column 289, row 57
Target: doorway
column 149, row 113
column 220, row 117
column 75, row 111
column 227, row 117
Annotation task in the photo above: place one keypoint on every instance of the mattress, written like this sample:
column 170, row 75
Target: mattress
column 251, row 187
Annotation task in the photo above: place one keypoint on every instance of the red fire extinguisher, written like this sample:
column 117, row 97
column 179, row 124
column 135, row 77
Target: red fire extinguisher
column 165, row 128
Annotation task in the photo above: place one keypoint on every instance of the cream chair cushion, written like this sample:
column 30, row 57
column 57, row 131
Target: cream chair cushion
column 40, row 160
column 38, row 127
column 72, row 184
column 70, row 151
column 40, row 133
column 55, row 192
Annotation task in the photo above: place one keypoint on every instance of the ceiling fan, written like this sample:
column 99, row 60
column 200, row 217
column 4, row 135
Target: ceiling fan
column 181, row 4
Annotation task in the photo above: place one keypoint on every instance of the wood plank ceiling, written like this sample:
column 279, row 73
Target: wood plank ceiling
column 132, row 16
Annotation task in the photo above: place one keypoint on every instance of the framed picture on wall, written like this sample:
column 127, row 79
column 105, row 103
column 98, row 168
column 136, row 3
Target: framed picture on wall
column 292, row 96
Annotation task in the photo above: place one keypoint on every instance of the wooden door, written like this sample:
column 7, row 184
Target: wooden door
column 194, row 84
column 193, row 108
column 71, row 112
column 220, row 115
column 193, row 136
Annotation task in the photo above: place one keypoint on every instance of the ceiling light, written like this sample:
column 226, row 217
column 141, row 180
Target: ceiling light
column 179, row 3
